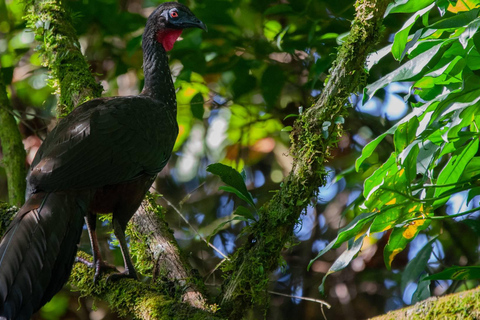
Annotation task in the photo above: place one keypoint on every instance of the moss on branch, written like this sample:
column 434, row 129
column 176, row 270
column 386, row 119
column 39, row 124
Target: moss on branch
column 12, row 148
column 314, row 134
column 137, row 299
column 58, row 43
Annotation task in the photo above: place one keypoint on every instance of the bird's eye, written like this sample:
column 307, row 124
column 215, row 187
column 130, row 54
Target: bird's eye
column 174, row 14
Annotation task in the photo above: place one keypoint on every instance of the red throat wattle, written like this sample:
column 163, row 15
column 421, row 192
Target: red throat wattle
column 168, row 37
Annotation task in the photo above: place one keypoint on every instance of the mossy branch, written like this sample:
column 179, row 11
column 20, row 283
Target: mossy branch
column 59, row 46
column 461, row 305
column 314, row 134
column 12, row 148
column 135, row 298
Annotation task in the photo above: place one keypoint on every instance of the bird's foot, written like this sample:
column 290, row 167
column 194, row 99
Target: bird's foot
column 100, row 267
column 126, row 274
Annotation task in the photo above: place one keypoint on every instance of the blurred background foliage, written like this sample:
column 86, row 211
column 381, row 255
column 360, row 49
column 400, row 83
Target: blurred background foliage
column 239, row 88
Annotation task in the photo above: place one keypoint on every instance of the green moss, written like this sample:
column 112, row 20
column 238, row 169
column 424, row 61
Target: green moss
column 59, row 46
column 12, row 149
column 7, row 212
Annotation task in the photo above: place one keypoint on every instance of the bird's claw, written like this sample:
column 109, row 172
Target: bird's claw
column 126, row 274
column 100, row 267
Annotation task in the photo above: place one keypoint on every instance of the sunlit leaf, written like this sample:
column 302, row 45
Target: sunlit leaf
column 401, row 37
column 406, row 6
column 455, row 166
column 401, row 237
column 406, row 71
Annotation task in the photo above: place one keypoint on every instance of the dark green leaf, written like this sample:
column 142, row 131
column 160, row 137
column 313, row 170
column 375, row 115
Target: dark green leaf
column 272, row 83
column 417, row 265
column 196, row 106
column 232, row 178
column 422, row 292
column 457, row 273
column 459, row 20
column 473, row 224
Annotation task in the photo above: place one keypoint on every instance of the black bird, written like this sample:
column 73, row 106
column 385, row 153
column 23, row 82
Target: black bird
column 101, row 158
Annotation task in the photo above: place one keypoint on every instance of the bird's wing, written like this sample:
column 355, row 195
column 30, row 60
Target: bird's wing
column 105, row 142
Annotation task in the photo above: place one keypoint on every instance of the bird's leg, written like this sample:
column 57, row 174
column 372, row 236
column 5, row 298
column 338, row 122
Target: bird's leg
column 119, row 230
column 98, row 263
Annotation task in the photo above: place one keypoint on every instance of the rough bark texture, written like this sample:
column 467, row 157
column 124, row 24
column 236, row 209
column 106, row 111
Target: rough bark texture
column 316, row 131
column 12, row 149
column 167, row 261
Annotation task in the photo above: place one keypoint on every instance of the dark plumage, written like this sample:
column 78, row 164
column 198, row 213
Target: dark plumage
column 101, row 158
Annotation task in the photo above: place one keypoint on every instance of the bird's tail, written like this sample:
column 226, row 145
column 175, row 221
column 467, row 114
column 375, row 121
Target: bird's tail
column 38, row 250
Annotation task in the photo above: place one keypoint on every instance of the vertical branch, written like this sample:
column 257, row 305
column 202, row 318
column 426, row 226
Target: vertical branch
column 314, row 134
column 12, row 149
column 71, row 77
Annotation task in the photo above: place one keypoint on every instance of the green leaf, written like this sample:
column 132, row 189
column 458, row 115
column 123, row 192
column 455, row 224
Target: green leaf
column 417, row 265
column 401, row 237
column 473, row 224
column 344, row 259
column 454, row 168
column 196, row 105
column 272, row 83
column 469, row 32
column 355, row 227
column 278, row 9
column 457, row 273
column 233, row 179
column 401, row 37
column 405, row 134
column 368, row 150
column 406, row 71
column 244, row 212
column 422, row 292
column 406, row 6
column 287, row 129
column 459, row 20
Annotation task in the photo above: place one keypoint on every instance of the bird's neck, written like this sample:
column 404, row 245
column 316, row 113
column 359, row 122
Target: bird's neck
column 158, row 78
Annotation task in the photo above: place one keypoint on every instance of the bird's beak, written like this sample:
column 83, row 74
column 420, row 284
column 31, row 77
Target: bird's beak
column 191, row 22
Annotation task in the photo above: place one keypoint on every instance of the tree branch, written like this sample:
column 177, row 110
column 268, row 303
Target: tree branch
column 60, row 49
column 461, row 305
column 12, row 148
column 314, row 134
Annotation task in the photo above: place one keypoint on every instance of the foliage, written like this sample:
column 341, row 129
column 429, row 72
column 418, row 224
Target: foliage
column 436, row 144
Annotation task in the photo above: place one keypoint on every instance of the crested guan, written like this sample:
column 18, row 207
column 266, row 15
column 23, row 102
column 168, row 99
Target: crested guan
column 101, row 158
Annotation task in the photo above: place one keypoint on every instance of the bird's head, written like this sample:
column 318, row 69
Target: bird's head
column 167, row 22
